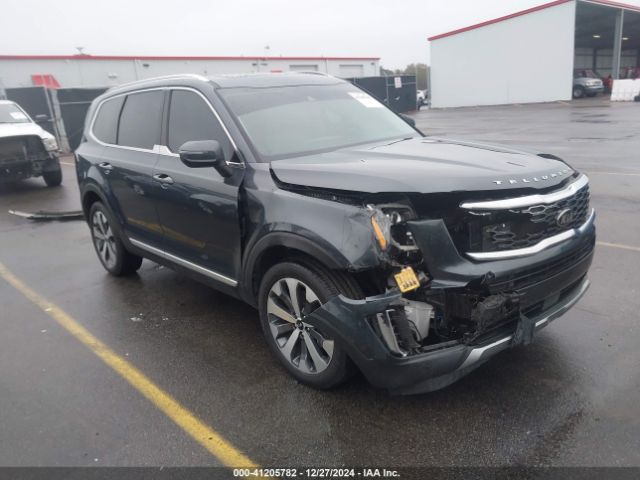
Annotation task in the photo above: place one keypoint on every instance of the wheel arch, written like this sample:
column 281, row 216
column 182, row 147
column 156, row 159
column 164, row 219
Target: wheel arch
column 90, row 195
column 278, row 246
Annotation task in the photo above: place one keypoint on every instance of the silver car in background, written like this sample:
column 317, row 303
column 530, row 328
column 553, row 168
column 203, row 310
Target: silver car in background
column 586, row 83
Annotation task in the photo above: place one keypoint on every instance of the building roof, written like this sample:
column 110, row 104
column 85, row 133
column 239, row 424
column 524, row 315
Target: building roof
column 152, row 57
column 607, row 3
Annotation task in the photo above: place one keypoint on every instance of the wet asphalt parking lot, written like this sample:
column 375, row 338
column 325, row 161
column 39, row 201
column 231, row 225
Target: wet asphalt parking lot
column 570, row 398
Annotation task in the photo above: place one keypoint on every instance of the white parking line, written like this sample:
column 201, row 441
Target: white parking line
column 619, row 245
column 630, row 174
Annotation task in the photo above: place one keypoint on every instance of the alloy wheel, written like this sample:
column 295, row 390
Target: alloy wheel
column 289, row 302
column 103, row 239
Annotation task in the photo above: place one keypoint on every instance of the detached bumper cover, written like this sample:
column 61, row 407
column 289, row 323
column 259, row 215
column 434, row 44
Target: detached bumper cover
column 344, row 319
column 550, row 283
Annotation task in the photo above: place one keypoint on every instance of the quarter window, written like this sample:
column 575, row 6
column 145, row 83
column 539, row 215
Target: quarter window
column 190, row 118
column 105, row 127
column 141, row 120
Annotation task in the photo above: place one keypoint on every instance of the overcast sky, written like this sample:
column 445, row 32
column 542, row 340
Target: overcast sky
column 396, row 31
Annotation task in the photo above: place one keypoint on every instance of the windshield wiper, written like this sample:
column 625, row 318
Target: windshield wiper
column 391, row 143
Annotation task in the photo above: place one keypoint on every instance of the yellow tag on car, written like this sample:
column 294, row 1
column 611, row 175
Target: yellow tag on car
column 407, row 280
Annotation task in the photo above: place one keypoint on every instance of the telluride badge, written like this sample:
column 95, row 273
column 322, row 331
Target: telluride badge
column 513, row 181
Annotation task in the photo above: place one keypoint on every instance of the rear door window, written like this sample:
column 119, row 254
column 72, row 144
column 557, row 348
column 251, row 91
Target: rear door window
column 105, row 126
column 141, row 120
column 191, row 118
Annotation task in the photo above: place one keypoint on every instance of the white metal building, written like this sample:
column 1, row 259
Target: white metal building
column 530, row 56
column 93, row 70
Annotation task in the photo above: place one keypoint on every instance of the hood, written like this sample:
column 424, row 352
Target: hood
column 18, row 129
column 423, row 165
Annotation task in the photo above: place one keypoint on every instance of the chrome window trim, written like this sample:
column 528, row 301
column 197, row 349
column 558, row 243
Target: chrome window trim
column 155, row 148
column 537, row 248
column 99, row 107
column 164, row 150
column 519, row 202
column 185, row 263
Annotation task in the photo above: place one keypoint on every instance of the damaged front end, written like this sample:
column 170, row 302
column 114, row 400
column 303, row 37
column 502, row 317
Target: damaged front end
column 434, row 313
column 412, row 370
column 22, row 157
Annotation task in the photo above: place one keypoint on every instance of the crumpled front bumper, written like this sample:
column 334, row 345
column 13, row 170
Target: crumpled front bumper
column 552, row 294
column 33, row 167
column 345, row 320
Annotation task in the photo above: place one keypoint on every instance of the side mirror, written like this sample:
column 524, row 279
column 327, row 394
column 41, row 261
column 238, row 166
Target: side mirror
column 41, row 118
column 203, row 154
column 408, row 119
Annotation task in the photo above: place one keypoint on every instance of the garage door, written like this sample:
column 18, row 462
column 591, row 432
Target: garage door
column 303, row 68
column 350, row 71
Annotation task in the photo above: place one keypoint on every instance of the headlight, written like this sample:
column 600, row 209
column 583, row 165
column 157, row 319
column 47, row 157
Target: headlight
column 388, row 223
column 50, row 144
column 381, row 225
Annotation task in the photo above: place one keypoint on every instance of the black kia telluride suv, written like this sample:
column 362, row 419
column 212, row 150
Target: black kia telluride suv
column 363, row 243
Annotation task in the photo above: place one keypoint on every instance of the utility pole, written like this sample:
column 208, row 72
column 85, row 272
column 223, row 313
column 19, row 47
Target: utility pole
column 264, row 57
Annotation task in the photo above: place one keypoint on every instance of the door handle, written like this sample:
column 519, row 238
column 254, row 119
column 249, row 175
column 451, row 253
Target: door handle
column 163, row 178
column 106, row 166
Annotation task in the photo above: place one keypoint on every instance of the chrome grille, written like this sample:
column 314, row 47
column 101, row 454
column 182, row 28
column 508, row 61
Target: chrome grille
column 525, row 227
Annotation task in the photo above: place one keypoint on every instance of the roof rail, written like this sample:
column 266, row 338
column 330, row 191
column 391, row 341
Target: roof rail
column 194, row 76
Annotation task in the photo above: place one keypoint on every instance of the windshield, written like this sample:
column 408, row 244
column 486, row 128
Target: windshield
column 300, row 120
column 11, row 113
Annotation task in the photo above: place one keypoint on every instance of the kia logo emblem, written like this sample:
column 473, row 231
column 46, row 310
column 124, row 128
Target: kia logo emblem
column 564, row 218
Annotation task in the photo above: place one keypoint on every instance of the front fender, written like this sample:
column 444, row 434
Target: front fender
column 317, row 248
column 337, row 234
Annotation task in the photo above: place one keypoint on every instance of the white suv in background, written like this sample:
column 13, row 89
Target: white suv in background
column 26, row 149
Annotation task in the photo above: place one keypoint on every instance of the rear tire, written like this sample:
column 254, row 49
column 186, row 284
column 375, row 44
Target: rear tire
column 110, row 250
column 52, row 179
column 308, row 354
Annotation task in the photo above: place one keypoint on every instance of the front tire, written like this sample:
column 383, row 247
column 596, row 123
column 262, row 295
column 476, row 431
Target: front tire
column 289, row 292
column 578, row 91
column 111, row 252
column 52, row 179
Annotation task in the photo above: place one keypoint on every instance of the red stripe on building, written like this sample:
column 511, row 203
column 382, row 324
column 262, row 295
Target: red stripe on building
column 607, row 3
column 151, row 57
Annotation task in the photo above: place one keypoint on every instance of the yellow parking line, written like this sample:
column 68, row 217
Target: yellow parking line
column 68, row 163
column 619, row 245
column 226, row 453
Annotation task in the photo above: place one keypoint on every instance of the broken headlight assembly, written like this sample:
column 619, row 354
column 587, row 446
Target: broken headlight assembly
column 405, row 325
column 389, row 226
